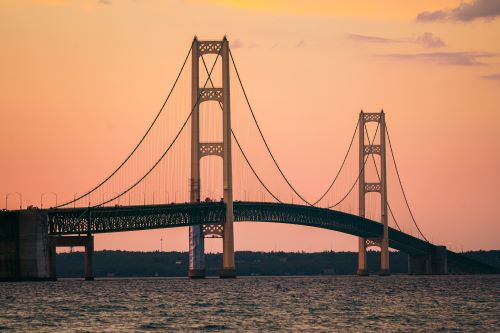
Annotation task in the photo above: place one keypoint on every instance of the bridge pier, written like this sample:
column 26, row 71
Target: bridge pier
column 24, row 254
column 89, row 258
column 362, row 268
column 419, row 265
column 440, row 260
column 435, row 263
column 196, row 253
column 70, row 241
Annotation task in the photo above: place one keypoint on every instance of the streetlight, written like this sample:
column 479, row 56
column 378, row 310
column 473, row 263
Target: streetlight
column 74, row 199
column 43, row 194
column 20, row 199
column 144, row 197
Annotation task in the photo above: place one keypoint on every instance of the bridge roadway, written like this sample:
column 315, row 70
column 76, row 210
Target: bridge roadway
column 74, row 221
column 128, row 218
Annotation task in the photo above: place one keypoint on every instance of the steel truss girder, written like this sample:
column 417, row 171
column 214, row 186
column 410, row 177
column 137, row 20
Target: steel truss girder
column 120, row 218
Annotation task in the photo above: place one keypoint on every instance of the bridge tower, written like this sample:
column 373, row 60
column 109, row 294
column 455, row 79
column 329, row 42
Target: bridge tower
column 201, row 149
column 365, row 149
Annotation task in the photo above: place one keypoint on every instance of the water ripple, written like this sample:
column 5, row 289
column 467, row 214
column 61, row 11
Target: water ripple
column 309, row 304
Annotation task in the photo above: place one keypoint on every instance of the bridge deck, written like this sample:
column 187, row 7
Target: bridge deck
column 128, row 218
column 72, row 221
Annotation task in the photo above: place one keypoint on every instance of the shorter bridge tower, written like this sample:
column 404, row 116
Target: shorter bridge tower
column 199, row 149
column 366, row 148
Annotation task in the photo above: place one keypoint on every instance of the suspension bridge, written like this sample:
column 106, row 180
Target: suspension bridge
column 185, row 160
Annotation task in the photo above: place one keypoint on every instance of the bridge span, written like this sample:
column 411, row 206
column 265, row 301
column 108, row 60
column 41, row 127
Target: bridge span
column 423, row 257
column 48, row 229
column 71, row 221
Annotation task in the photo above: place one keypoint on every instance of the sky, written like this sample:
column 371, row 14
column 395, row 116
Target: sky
column 82, row 80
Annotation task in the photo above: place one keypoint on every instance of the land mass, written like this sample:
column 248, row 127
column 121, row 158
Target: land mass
column 173, row 264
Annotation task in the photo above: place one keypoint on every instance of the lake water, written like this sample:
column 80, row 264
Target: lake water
column 336, row 303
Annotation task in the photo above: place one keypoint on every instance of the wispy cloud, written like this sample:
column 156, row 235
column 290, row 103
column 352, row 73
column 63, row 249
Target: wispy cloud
column 236, row 44
column 301, row 43
column 443, row 58
column 495, row 77
column 371, row 39
column 427, row 40
column 104, row 2
column 239, row 44
column 465, row 12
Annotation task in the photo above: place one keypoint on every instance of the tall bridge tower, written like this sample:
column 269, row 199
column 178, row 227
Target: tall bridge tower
column 202, row 149
column 366, row 149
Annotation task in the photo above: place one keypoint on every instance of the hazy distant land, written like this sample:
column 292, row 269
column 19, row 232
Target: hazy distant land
column 172, row 264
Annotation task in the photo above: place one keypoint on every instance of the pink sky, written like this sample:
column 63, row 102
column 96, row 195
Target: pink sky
column 82, row 80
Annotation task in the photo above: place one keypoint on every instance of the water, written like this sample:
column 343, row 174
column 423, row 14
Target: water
column 343, row 303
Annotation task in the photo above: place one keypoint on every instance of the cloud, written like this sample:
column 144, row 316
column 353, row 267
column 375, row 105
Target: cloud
column 427, row 40
column 431, row 16
column 495, row 77
column 239, row 44
column 236, row 44
column 371, row 39
column 465, row 12
column 443, row 58
column 104, row 2
column 301, row 43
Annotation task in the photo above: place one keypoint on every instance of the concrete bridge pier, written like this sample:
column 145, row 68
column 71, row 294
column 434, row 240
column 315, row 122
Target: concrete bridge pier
column 24, row 252
column 89, row 258
column 86, row 241
column 435, row 263
column 362, row 268
column 439, row 260
column 419, row 265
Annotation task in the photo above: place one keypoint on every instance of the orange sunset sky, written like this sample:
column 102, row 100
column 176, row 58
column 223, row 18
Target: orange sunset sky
column 82, row 79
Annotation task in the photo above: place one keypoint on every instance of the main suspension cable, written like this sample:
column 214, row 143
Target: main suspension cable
column 140, row 141
column 341, row 166
column 253, row 170
column 360, row 171
column 401, row 185
column 272, row 155
column 262, row 135
column 171, row 144
column 380, row 179
column 238, row 143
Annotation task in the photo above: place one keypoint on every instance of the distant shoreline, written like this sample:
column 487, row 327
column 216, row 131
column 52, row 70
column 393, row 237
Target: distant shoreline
column 132, row 264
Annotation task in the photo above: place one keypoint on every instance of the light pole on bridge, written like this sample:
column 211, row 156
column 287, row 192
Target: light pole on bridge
column 20, row 199
column 43, row 194
column 143, row 198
